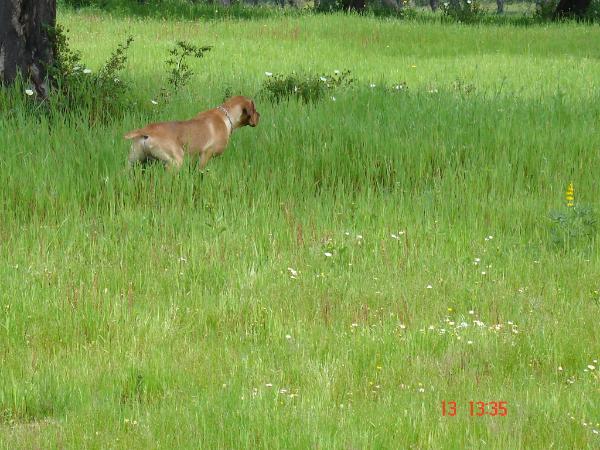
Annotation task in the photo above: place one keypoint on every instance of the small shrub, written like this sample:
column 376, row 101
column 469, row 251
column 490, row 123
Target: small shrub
column 544, row 10
column 574, row 224
column 464, row 11
column 381, row 9
column 374, row 7
column 178, row 67
column 307, row 88
column 74, row 87
column 593, row 12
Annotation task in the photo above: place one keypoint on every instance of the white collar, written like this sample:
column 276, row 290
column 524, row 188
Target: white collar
column 222, row 108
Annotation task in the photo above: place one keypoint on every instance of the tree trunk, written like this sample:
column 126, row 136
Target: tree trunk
column 392, row 4
column 354, row 5
column 24, row 44
column 571, row 8
column 500, row 5
column 434, row 5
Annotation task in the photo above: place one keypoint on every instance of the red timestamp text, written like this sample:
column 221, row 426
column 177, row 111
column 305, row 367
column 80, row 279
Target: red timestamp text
column 475, row 409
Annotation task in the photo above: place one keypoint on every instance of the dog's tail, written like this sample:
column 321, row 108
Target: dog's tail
column 141, row 132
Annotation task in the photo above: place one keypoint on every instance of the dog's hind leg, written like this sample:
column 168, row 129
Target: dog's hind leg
column 175, row 162
column 170, row 153
column 137, row 154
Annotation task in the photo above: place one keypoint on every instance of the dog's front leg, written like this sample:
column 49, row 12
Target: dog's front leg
column 204, row 158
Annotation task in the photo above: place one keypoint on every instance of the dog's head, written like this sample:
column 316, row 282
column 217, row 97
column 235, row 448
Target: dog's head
column 244, row 106
column 250, row 115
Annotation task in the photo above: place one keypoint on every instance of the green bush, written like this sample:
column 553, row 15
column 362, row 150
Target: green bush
column 544, row 9
column 307, row 88
column 593, row 12
column 464, row 11
column 102, row 94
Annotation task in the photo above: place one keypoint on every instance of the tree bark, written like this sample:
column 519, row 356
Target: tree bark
column 434, row 5
column 392, row 4
column 24, row 44
column 571, row 8
column 354, row 5
column 500, row 5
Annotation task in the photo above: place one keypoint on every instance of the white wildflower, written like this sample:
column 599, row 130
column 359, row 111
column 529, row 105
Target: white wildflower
column 86, row 71
column 29, row 92
column 269, row 74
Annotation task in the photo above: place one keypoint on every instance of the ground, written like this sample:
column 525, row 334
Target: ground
column 344, row 267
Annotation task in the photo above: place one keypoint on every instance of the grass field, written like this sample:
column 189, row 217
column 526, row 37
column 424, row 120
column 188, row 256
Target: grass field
column 340, row 271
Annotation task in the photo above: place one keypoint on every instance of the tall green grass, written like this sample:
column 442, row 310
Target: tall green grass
column 149, row 309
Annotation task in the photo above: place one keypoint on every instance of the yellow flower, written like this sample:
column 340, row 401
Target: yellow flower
column 570, row 196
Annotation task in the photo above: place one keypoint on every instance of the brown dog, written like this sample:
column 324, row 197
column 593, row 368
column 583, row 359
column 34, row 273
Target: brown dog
column 204, row 136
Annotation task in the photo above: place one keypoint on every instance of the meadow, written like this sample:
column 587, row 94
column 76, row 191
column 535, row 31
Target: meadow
column 340, row 271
